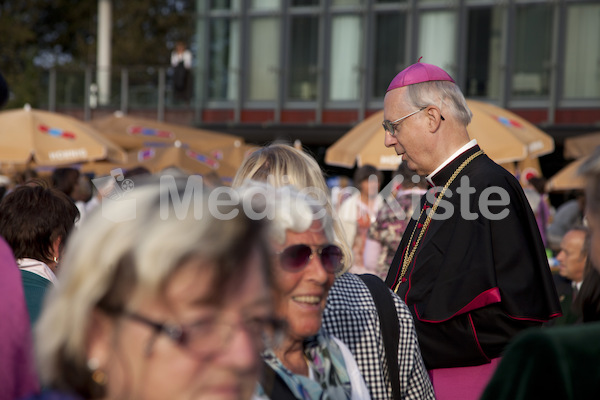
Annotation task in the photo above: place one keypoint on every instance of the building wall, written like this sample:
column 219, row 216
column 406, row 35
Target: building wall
column 328, row 62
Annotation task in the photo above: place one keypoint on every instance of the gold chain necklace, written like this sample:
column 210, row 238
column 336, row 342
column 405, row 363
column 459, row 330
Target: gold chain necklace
column 408, row 259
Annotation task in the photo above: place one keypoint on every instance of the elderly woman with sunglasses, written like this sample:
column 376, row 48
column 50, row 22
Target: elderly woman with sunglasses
column 351, row 313
column 306, row 363
column 159, row 299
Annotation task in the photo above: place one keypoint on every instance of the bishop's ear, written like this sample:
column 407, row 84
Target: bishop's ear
column 434, row 118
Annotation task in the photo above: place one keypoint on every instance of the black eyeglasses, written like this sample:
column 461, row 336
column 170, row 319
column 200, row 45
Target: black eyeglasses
column 296, row 257
column 207, row 337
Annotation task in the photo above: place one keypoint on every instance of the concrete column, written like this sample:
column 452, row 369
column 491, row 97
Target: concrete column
column 104, row 51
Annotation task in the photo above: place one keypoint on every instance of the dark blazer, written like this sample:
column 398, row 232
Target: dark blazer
column 564, row 289
column 588, row 299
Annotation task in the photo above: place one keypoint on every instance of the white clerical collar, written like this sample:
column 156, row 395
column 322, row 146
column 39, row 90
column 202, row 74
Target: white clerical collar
column 38, row 268
column 457, row 153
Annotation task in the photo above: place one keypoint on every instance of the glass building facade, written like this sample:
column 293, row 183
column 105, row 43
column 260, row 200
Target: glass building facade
column 330, row 61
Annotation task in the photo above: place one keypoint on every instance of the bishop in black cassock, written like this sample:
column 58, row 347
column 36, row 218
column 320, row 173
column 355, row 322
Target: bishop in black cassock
column 471, row 267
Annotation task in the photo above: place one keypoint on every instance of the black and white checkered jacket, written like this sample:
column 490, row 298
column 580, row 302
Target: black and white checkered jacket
column 351, row 316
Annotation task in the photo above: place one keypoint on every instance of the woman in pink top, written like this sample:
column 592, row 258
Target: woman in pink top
column 17, row 376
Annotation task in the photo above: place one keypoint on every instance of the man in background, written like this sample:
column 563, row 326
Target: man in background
column 572, row 258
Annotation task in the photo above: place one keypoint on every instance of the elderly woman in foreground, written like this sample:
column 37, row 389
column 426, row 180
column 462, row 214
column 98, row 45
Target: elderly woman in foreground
column 161, row 304
column 307, row 363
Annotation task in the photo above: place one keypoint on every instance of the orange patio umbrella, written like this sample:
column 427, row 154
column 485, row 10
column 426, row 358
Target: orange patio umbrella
column 582, row 145
column 362, row 145
column 46, row 138
column 133, row 133
column 156, row 159
column 567, row 178
column 503, row 135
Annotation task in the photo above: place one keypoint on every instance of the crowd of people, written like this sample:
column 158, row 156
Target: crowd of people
column 274, row 288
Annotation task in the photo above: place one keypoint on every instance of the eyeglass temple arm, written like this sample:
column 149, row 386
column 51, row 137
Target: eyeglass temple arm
column 157, row 329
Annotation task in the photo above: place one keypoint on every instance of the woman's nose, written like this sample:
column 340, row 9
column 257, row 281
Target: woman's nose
column 316, row 270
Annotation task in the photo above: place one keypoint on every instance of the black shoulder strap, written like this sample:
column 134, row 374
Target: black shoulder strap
column 390, row 327
column 275, row 387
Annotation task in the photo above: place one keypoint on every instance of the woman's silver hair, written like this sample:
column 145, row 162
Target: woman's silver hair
column 116, row 260
column 280, row 165
column 286, row 208
column 446, row 95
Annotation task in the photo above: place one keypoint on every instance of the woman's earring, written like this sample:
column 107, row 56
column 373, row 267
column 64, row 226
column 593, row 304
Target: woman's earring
column 98, row 375
column 55, row 259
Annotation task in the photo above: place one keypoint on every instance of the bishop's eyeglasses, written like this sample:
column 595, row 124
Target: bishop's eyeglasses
column 390, row 126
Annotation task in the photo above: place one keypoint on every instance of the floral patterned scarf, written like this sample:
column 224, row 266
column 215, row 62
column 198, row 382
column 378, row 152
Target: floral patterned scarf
column 325, row 360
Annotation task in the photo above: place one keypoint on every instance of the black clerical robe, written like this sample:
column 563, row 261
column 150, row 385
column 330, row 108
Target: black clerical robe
column 474, row 281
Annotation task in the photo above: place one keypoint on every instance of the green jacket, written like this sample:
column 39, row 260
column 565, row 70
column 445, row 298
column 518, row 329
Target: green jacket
column 35, row 288
column 549, row 363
